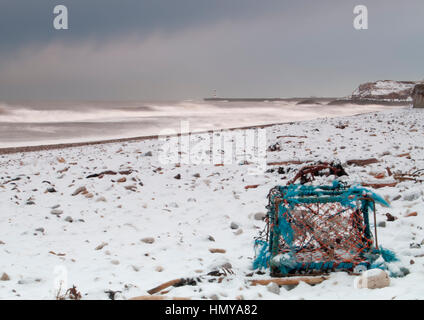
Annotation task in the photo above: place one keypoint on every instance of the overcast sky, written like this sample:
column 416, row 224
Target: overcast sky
column 181, row 49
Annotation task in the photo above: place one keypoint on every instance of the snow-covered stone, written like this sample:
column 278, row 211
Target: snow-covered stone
column 373, row 279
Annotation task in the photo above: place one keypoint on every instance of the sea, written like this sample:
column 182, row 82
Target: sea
column 31, row 123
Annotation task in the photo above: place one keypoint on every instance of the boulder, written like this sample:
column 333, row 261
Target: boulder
column 418, row 96
column 373, row 279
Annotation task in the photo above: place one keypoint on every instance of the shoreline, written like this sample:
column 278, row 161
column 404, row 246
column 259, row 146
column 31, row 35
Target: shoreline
column 55, row 146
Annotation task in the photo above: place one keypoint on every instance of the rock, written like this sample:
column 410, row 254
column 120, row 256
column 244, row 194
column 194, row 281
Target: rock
column 274, row 147
column 418, row 96
column 131, row 187
column 390, row 217
column 101, row 246
column 414, row 245
column 238, row 232
column 101, row 199
column 1, row 242
column 397, row 197
column 405, row 271
column 30, row 202
column 89, row 195
column 51, row 190
column 234, row 225
column 373, row 279
column 273, row 288
column 78, row 191
column 210, row 238
column 115, row 262
column 69, row 219
column 148, row 154
column 382, row 224
column 214, row 297
column 4, row 277
column 148, row 240
column 121, row 180
column 411, row 196
column 259, row 216
column 56, row 212
column 196, row 175
column 40, row 230
column 159, row 269
column 214, row 250
column 178, row 177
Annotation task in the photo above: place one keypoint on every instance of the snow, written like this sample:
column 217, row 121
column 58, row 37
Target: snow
column 380, row 89
column 182, row 214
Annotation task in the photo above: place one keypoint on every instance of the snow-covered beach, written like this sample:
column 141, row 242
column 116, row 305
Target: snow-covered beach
column 142, row 223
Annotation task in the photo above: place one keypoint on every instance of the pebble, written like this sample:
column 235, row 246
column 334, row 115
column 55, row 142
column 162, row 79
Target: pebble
column 159, row 269
column 234, row 225
column 79, row 190
column 259, row 216
column 148, row 154
column 40, row 230
column 56, row 212
column 115, row 262
column 148, row 240
column 390, row 217
column 397, row 197
column 382, row 224
column 411, row 196
column 101, row 246
column 210, row 238
column 373, row 279
column 238, row 232
column 414, row 245
column 69, row 219
column 4, row 277
column 178, row 177
column 101, row 199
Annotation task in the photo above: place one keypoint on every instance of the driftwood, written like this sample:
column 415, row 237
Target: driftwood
column 254, row 186
column 380, row 185
column 361, row 163
column 289, row 136
column 285, row 163
column 289, row 281
column 165, row 285
column 215, row 250
column 108, row 172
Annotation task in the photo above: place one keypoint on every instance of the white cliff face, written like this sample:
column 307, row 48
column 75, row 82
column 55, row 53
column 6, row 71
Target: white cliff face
column 385, row 90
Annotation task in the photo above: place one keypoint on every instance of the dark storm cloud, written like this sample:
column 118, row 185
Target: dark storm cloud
column 186, row 48
column 24, row 21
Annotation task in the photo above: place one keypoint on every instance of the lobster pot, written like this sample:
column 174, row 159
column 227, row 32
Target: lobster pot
column 318, row 229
